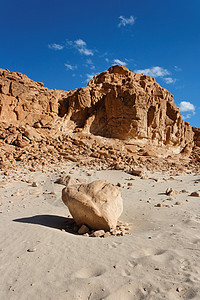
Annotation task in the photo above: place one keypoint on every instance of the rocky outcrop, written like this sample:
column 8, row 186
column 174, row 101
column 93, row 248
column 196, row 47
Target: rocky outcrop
column 24, row 101
column 97, row 204
column 120, row 104
column 39, row 126
column 116, row 103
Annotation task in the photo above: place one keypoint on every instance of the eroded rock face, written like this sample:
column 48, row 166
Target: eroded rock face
column 39, row 126
column 25, row 101
column 120, row 104
column 97, row 204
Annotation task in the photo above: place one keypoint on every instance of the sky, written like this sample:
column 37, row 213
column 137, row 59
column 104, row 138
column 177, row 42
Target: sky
column 65, row 43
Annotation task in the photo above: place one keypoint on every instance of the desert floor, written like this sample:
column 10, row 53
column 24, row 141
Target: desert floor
column 158, row 259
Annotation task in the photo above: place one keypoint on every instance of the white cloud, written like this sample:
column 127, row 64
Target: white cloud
column 80, row 43
column 154, row 72
column 119, row 62
column 169, row 80
column 89, row 77
column 186, row 106
column 106, row 59
column 126, row 21
column 81, row 46
column 70, row 67
column 176, row 68
column 55, row 46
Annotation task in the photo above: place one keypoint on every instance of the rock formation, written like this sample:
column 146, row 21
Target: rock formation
column 120, row 104
column 97, row 204
column 114, row 122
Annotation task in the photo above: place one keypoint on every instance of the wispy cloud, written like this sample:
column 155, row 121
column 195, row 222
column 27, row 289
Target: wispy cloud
column 177, row 69
column 187, row 108
column 55, row 46
column 169, row 80
column 89, row 77
column 119, row 62
column 70, row 67
column 89, row 64
column 126, row 21
column 81, row 46
column 154, row 72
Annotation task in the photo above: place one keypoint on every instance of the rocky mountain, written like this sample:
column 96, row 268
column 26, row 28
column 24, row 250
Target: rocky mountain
column 131, row 110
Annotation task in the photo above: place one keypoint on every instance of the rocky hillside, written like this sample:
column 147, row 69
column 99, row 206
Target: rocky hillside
column 132, row 111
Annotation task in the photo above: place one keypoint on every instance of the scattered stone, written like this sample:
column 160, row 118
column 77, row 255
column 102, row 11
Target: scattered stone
column 34, row 184
column 83, row 229
column 178, row 203
column 107, row 234
column 98, row 233
column 159, row 205
column 31, row 250
column 195, row 194
column 66, row 180
column 171, row 192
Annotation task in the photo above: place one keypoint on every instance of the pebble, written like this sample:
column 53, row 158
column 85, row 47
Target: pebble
column 159, row 205
column 83, row 229
column 34, row 184
column 178, row 203
column 195, row 194
column 107, row 234
column 98, row 233
column 31, row 250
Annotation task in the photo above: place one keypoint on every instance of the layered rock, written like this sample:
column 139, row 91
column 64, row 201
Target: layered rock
column 120, row 104
column 24, row 101
column 39, row 126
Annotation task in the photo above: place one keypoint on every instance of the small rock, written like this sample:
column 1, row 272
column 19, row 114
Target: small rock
column 178, row 203
column 86, row 234
column 130, row 184
column 98, row 233
column 31, row 250
column 107, row 234
column 116, row 232
column 34, row 184
column 195, row 194
column 159, row 205
column 83, row 229
column 184, row 191
column 119, row 184
column 170, row 192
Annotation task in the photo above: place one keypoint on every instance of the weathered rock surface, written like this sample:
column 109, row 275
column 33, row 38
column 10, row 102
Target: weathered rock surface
column 120, row 104
column 98, row 204
column 115, row 122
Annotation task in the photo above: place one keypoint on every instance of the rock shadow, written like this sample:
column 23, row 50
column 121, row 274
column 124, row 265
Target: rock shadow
column 51, row 221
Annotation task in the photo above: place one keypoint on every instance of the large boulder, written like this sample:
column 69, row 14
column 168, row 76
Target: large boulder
column 97, row 204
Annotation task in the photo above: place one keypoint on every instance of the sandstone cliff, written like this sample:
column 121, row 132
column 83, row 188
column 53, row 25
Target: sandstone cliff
column 120, row 104
column 134, row 113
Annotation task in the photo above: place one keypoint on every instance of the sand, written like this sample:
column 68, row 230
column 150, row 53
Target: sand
column 158, row 259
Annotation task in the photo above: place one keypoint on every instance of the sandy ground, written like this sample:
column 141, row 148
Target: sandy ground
column 159, row 259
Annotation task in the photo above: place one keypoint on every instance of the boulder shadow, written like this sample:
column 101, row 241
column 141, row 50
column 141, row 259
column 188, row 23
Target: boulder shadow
column 51, row 221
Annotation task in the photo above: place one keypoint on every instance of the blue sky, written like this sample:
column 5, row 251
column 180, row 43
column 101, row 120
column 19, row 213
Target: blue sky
column 65, row 43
